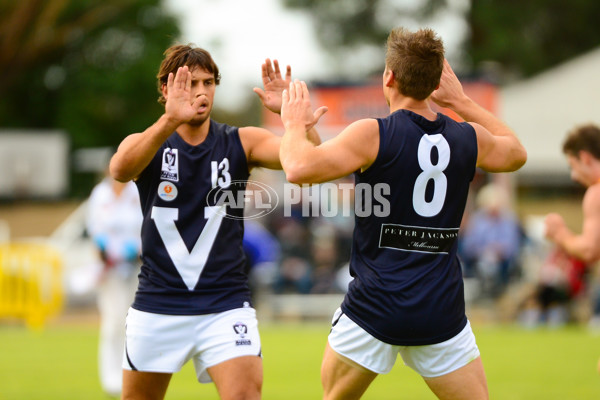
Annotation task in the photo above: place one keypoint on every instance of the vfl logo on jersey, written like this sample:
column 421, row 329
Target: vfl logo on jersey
column 170, row 165
column 167, row 191
column 241, row 330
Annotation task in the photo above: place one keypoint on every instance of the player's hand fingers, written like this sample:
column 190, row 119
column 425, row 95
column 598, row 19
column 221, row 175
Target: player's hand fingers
column 285, row 97
column 260, row 93
column 180, row 78
column 292, row 92
column 197, row 102
column 269, row 68
column 305, row 93
column 188, row 79
column 170, row 80
column 264, row 73
column 298, row 89
column 319, row 113
column 277, row 70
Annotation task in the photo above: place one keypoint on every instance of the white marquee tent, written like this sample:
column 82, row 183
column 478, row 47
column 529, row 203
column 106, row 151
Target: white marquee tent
column 544, row 108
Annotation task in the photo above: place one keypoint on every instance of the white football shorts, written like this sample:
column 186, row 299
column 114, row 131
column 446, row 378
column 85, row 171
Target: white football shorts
column 351, row 341
column 164, row 343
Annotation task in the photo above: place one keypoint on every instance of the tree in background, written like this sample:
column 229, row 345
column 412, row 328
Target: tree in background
column 527, row 37
column 524, row 37
column 354, row 31
column 87, row 67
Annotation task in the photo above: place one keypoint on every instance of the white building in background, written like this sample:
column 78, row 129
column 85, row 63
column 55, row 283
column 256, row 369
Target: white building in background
column 542, row 109
column 34, row 164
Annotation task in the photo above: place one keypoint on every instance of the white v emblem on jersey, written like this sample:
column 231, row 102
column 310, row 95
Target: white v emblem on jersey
column 189, row 264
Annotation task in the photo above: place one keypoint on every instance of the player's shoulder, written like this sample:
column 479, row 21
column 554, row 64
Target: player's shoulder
column 366, row 123
column 251, row 135
column 363, row 128
column 478, row 129
column 254, row 131
column 592, row 194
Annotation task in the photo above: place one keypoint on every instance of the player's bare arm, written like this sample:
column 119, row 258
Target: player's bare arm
column 585, row 245
column 136, row 151
column 499, row 149
column 355, row 148
column 262, row 146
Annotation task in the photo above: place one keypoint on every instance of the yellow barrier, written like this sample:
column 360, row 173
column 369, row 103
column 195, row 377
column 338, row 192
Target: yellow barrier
column 30, row 282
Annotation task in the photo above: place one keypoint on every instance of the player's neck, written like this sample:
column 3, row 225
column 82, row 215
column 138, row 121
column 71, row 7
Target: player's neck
column 420, row 107
column 194, row 134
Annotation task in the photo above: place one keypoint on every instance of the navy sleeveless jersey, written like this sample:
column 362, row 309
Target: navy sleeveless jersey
column 407, row 287
column 192, row 254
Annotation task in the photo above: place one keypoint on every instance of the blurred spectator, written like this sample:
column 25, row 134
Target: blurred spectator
column 295, row 270
column 314, row 247
column 490, row 243
column 114, row 221
column 262, row 254
column 561, row 280
column 324, row 258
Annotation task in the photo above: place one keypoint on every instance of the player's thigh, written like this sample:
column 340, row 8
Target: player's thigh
column 226, row 336
column 351, row 341
column 466, row 383
column 342, row 378
column 139, row 385
column 158, row 343
column 238, row 378
column 442, row 358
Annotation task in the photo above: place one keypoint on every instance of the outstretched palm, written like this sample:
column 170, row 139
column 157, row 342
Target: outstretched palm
column 179, row 105
column 274, row 84
column 296, row 109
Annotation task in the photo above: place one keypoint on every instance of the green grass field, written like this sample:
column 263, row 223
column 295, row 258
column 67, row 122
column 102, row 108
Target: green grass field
column 60, row 363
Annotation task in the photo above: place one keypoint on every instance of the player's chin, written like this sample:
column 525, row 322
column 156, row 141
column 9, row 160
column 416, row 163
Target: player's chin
column 199, row 119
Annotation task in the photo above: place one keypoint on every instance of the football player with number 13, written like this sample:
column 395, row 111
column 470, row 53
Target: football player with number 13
column 193, row 300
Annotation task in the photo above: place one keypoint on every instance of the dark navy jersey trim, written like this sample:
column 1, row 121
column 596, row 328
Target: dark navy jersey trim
column 133, row 368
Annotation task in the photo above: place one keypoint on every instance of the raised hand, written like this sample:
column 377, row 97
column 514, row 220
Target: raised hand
column 296, row 109
column 554, row 225
column 179, row 105
column 450, row 90
column 273, row 84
